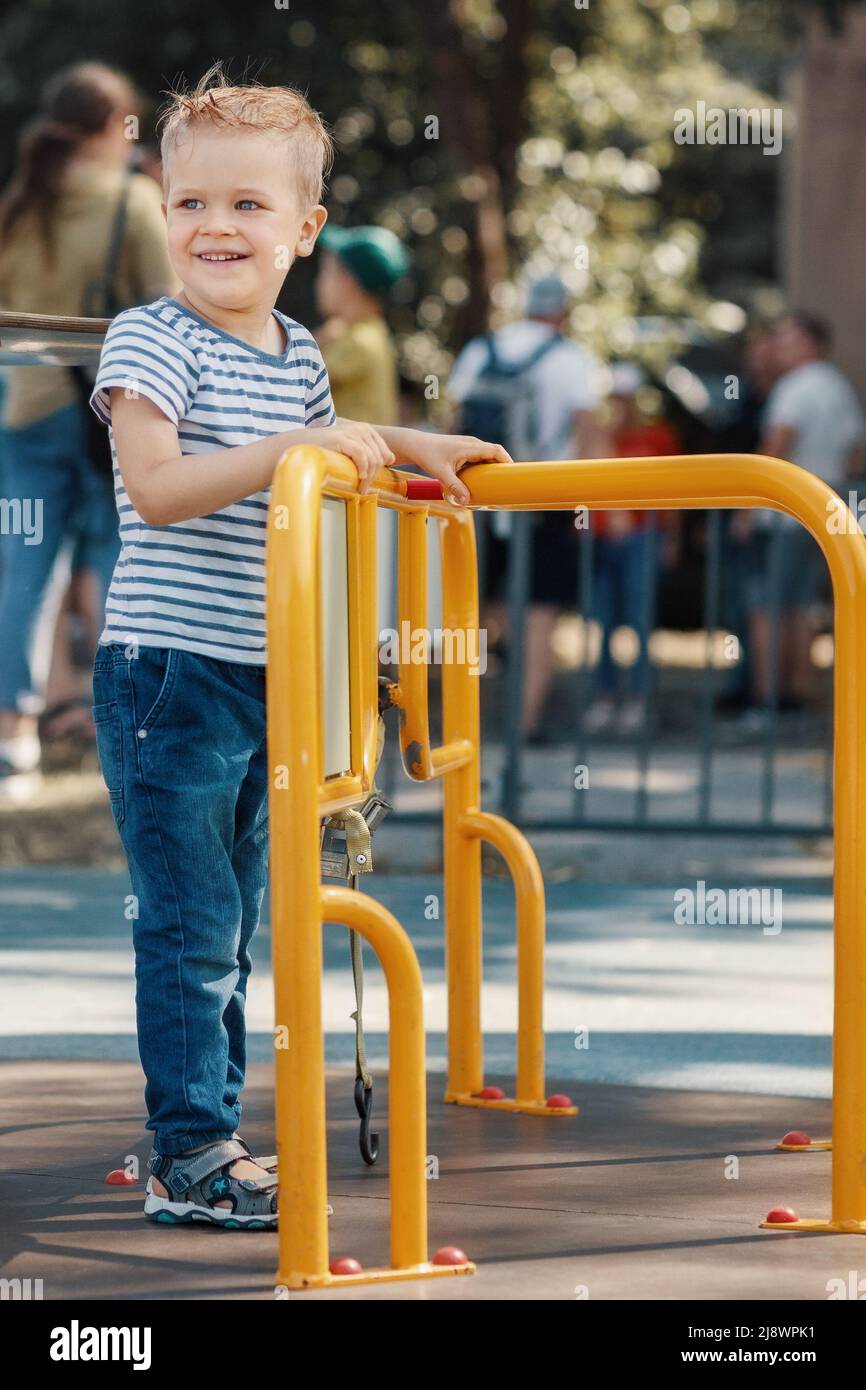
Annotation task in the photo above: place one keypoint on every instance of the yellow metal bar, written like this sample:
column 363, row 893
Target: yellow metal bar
column 412, row 617
column 678, row 482
column 464, row 823
column 421, row 762
column 461, row 796
column 300, row 904
column 529, row 899
column 366, row 629
column 294, row 756
column 340, row 792
column 747, row 480
column 407, row 1085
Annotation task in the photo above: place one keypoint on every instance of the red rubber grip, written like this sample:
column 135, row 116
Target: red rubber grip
column 424, row 489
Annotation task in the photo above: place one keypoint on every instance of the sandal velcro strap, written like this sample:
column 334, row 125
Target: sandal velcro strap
column 266, row 1184
column 181, row 1171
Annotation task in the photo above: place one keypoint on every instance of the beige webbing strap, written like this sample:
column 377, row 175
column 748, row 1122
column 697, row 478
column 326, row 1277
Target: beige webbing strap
column 356, row 948
column 359, row 847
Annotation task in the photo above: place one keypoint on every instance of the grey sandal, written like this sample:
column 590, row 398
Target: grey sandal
column 269, row 1164
column 198, row 1181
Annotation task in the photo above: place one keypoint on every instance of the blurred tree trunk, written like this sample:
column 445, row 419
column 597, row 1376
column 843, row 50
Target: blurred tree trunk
column 481, row 106
column 825, row 203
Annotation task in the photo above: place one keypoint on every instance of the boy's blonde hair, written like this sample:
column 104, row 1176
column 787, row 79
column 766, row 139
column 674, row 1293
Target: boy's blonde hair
column 283, row 110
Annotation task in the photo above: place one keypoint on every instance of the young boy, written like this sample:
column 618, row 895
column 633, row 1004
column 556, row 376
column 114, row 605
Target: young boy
column 203, row 394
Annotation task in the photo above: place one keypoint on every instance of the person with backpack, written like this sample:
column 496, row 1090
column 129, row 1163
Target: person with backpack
column 79, row 234
column 535, row 391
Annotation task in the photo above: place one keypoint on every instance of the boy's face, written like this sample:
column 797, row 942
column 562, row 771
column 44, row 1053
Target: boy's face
column 236, row 218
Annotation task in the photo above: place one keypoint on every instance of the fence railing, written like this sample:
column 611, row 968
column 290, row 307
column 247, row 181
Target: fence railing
column 690, row 764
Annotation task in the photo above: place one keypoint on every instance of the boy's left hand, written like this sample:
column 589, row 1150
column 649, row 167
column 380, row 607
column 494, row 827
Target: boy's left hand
column 443, row 455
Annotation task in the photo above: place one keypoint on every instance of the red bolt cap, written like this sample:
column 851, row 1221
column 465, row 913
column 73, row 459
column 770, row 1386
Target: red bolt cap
column 782, row 1215
column 118, row 1177
column 450, row 1255
column 420, row 489
column 491, row 1093
column 796, row 1136
column 344, row 1264
column 559, row 1102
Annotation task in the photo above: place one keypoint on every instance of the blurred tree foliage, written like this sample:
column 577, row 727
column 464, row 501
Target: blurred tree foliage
column 498, row 137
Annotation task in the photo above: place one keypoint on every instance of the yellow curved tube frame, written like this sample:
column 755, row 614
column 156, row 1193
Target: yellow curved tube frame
column 300, row 905
column 746, row 480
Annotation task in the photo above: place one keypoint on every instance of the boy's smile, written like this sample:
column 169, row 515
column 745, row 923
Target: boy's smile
column 236, row 222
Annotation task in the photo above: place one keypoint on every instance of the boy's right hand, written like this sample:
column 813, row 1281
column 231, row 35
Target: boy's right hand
column 359, row 442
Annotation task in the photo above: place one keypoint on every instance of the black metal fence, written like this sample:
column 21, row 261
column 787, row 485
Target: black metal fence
column 702, row 758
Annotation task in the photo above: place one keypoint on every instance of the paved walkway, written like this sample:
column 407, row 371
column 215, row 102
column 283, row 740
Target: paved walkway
column 631, row 997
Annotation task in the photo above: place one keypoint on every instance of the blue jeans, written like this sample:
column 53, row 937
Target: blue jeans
column 181, row 741
column 48, row 473
column 624, row 582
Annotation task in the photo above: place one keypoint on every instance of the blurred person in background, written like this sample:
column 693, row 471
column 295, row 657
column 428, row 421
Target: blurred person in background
column 79, row 234
column 625, row 561
column 742, row 542
column 529, row 387
column 812, row 417
column 357, row 268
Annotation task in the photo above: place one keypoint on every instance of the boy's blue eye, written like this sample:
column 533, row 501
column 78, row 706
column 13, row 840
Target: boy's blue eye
column 186, row 202
column 247, row 203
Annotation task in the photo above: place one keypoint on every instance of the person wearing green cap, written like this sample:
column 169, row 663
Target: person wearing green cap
column 359, row 266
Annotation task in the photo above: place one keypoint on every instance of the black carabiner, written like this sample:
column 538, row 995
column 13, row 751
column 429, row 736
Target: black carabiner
column 367, row 1142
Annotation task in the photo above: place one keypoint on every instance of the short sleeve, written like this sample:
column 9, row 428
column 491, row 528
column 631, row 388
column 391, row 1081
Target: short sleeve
column 575, row 377
column 319, row 407
column 787, row 404
column 143, row 354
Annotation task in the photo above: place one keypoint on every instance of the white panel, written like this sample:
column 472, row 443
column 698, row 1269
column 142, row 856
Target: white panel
column 335, row 637
column 434, row 575
column 387, row 520
column 386, row 544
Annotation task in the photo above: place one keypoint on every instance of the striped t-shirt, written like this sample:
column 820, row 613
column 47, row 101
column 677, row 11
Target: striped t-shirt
column 200, row 584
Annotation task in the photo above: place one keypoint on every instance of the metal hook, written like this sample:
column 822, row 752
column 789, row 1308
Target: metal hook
column 367, row 1142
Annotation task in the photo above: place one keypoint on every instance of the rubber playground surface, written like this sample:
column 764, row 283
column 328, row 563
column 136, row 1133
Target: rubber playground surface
column 690, row 1051
column 628, row 1201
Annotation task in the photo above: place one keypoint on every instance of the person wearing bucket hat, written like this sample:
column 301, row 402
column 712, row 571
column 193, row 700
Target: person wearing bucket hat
column 357, row 269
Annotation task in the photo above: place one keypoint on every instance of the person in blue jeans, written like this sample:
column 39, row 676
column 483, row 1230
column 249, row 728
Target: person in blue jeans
column 624, row 574
column 64, row 250
column 67, row 514
column 626, row 559
column 203, row 394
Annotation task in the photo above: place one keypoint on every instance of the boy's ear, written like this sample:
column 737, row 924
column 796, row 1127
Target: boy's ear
column 310, row 228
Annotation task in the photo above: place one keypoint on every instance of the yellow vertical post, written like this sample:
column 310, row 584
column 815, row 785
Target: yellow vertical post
column 294, row 756
column 407, row 1083
column 846, row 554
column 456, row 761
column 299, row 904
column 412, row 620
column 529, row 900
column 462, row 795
